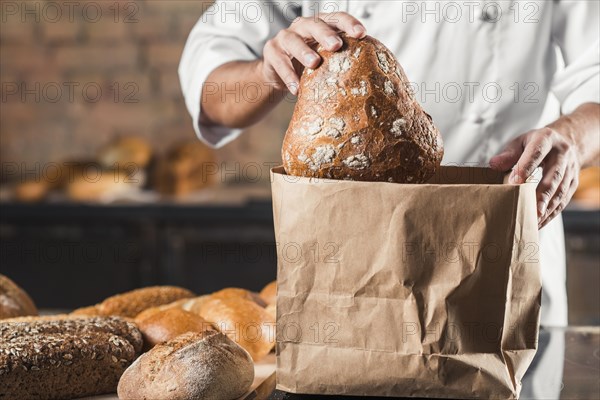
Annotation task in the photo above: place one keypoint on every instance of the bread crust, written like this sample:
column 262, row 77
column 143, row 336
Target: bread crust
column 232, row 292
column 357, row 119
column 244, row 322
column 207, row 366
column 14, row 301
column 132, row 303
column 166, row 325
column 269, row 293
column 63, row 359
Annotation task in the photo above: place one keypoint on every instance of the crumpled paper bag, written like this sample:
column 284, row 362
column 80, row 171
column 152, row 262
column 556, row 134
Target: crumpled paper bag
column 406, row 290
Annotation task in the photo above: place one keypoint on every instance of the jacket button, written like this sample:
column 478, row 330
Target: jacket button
column 491, row 13
column 364, row 12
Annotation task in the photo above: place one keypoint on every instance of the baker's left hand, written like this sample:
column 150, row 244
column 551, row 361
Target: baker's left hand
column 558, row 156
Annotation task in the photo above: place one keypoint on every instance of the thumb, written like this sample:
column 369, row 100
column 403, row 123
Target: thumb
column 507, row 159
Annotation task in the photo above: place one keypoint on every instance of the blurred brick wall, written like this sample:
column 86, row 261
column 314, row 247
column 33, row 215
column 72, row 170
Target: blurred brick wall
column 50, row 50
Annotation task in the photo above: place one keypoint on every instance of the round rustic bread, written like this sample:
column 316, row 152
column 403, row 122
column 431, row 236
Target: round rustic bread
column 207, row 366
column 357, row 119
column 14, row 302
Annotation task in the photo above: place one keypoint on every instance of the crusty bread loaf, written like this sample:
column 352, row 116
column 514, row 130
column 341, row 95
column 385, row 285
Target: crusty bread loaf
column 244, row 321
column 154, row 310
column 132, row 303
column 166, row 325
column 14, row 302
column 206, row 366
column 357, row 119
column 64, row 359
column 269, row 293
column 229, row 293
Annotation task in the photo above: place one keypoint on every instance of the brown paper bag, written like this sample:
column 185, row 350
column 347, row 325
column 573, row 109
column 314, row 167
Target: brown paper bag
column 406, row 290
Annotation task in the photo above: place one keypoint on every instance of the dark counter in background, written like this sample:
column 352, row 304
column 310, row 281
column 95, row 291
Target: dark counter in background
column 68, row 255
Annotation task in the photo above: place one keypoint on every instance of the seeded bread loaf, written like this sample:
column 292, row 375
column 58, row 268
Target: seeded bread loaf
column 357, row 119
column 64, row 359
column 132, row 303
column 207, row 366
column 14, row 302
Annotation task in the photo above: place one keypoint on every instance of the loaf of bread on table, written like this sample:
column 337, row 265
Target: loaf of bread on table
column 132, row 303
column 244, row 321
column 14, row 301
column 207, row 366
column 232, row 292
column 357, row 119
column 195, row 304
column 269, row 293
column 65, row 359
column 166, row 325
column 189, row 304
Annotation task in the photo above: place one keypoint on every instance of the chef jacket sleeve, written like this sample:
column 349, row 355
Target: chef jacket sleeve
column 575, row 31
column 227, row 31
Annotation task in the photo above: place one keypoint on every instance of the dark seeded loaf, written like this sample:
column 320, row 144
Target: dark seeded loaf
column 64, row 359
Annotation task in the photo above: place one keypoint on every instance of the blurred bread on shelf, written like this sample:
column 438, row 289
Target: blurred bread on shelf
column 31, row 191
column 132, row 303
column 125, row 151
column 53, row 175
column 186, row 168
column 588, row 191
column 105, row 186
column 14, row 301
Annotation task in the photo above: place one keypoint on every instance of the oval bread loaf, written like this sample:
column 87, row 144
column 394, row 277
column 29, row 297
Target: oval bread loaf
column 357, row 119
column 131, row 303
column 168, row 324
column 204, row 366
column 245, row 322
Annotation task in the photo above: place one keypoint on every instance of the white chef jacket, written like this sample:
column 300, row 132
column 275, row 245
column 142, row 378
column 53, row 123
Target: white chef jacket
column 486, row 71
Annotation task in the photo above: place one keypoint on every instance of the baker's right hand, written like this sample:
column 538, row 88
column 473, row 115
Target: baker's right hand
column 295, row 43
